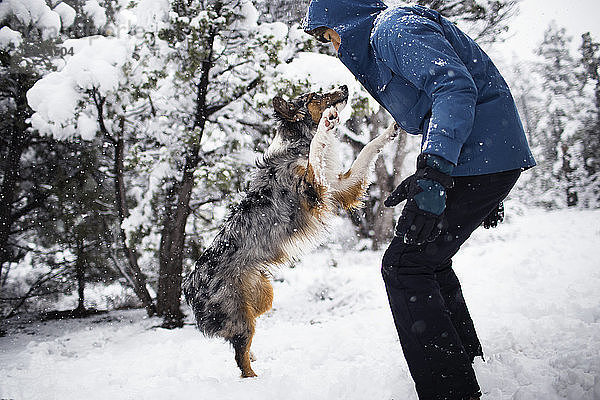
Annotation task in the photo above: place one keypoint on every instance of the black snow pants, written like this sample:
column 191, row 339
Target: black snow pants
column 435, row 329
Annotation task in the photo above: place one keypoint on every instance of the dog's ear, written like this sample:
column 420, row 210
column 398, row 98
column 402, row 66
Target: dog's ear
column 286, row 110
column 283, row 108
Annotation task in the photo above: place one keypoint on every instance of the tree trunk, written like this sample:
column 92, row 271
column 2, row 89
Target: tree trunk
column 173, row 236
column 80, row 272
column 12, row 163
column 133, row 274
column 171, row 255
column 138, row 278
column 570, row 190
column 383, row 217
column 10, row 173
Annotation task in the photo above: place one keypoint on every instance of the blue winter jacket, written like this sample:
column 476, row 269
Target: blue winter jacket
column 432, row 78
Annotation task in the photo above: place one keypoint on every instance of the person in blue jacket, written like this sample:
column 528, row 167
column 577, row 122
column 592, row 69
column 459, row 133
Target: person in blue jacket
column 437, row 82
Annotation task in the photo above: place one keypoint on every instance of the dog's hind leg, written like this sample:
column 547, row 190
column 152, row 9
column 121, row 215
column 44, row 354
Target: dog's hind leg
column 263, row 301
column 241, row 344
column 258, row 298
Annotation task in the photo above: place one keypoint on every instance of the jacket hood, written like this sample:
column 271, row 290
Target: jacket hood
column 342, row 15
column 353, row 21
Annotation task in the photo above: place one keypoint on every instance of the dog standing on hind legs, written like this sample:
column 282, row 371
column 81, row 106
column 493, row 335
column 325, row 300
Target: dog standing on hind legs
column 297, row 186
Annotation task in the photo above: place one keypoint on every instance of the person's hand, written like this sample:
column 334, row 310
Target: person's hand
column 422, row 218
column 495, row 217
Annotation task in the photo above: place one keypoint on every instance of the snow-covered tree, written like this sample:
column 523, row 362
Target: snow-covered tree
column 288, row 11
column 27, row 46
column 77, row 226
column 91, row 97
column 36, row 169
column 589, row 133
column 556, row 142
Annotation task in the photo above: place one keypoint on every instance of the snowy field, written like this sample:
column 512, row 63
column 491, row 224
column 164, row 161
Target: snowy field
column 532, row 286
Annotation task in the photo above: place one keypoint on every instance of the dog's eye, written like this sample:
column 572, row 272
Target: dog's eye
column 313, row 98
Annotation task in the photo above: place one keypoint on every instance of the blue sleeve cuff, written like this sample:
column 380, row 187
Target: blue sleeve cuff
column 444, row 148
column 439, row 163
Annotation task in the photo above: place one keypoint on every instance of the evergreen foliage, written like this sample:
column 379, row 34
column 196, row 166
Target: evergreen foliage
column 562, row 122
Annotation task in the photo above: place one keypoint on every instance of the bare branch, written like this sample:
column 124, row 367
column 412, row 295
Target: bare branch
column 46, row 277
column 216, row 107
column 99, row 101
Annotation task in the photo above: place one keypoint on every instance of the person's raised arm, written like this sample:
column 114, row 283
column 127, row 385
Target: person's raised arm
column 415, row 48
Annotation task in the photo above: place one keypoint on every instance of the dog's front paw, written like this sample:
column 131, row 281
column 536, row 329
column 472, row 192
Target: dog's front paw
column 329, row 120
column 393, row 131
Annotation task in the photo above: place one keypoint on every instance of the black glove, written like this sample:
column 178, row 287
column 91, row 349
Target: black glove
column 422, row 218
column 494, row 217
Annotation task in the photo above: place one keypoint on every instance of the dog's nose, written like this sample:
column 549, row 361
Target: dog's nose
column 344, row 88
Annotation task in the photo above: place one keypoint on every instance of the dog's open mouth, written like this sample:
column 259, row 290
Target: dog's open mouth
column 342, row 100
column 343, row 96
column 320, row 102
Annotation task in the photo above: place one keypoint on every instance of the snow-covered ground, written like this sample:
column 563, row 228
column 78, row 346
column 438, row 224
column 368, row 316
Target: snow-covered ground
column 532, row 286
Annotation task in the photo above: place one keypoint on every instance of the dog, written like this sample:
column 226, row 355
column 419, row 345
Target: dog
column 297, row 186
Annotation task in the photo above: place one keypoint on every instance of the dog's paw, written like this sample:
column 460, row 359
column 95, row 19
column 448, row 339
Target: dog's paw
column 393, row 131
column 329, row 120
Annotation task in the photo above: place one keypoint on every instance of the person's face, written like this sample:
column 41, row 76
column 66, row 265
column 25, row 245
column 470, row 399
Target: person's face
column 333, row 37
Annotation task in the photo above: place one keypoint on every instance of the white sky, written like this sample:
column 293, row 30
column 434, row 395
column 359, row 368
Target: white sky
column 528, row 26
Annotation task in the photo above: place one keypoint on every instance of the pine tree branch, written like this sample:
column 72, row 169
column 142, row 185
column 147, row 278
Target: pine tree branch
column 99, row 101
column 217, row 107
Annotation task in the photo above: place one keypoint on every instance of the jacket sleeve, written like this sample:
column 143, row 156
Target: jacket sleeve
column 415, row 48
